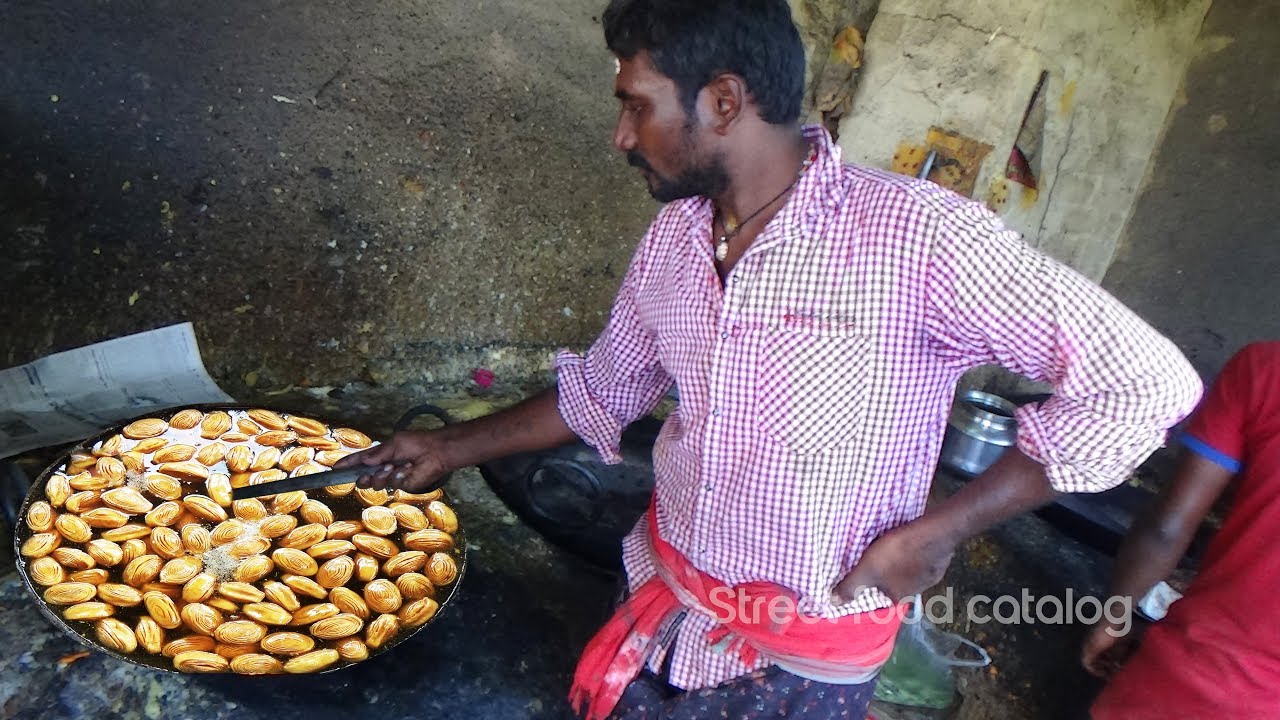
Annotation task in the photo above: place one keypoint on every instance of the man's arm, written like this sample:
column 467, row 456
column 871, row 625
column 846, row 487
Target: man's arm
column 1215, row 446
column 421, row 458
column 596, row 396
column 1118, row 385
column 1152, row 548
column 1161, row 536
column 913, row 557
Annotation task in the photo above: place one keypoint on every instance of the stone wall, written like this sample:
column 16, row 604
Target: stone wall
column 1200, row 257
column 396, row 195
column 968, row 71
column 331, row 192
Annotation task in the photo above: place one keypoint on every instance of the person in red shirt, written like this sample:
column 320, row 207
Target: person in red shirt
column 1217, row 652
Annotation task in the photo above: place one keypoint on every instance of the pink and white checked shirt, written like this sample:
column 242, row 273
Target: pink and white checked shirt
column 815, row 384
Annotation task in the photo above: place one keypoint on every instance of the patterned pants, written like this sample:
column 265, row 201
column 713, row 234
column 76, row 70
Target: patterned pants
column 768, row 693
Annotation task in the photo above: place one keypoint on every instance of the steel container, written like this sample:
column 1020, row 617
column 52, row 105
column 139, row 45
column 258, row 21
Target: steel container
column 980, row 429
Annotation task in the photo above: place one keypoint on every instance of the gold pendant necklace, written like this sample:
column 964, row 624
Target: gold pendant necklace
column 722, row 244
column 731, row 229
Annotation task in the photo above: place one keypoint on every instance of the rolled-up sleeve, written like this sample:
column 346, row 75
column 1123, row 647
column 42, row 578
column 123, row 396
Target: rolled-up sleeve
column 1118, row 384
column 620, row 378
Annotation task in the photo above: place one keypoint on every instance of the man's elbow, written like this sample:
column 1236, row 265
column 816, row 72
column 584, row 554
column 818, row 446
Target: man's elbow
column 1181, row 388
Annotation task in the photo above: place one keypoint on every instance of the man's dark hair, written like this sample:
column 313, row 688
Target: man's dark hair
column 692, row 41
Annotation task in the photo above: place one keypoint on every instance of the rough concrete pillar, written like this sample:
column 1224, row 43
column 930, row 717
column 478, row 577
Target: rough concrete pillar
column 948, row 73
column 833, row 32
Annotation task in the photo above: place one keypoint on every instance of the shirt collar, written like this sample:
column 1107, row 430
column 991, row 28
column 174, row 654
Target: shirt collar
column 819, row 191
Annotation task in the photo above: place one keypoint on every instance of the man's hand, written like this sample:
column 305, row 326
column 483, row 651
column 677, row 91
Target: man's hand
column 901, row 563
column 912, row 558
column 413, row 460
column 419, row 461
column 1105, row 649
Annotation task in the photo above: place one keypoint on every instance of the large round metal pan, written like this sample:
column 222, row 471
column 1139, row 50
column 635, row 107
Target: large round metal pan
column 83, row 631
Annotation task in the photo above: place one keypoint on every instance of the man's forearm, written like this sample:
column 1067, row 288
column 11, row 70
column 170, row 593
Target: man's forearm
column 1013, row 485
column 1145, row 558
column 911, row 558
column 1161, row 535
column 534, row 424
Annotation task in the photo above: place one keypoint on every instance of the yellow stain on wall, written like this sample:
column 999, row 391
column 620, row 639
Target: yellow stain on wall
column 909, row 158
column 1212, row 44
column 956, row 166
column 1029, row 197
column 998, row 196
column 959, row 159
column 1003, row 191
column 847, row 47
column 1068, row 97
column 948, row 176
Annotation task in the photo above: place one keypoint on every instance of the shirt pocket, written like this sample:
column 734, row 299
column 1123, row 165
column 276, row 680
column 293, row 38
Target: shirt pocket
column 814, row 384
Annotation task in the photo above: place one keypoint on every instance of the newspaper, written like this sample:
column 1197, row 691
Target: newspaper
column 75, row 394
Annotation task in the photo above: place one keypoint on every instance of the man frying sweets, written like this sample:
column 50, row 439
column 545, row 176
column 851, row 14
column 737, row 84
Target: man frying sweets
column 815, row 318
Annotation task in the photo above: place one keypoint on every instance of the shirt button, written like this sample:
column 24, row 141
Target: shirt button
column 724, row 336
column 736, row 279
column 716, row 412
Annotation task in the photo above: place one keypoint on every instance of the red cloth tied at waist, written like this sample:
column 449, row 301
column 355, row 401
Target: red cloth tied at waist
column 829, row 649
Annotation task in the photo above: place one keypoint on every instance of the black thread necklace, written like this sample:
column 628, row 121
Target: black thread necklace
column 731, row 229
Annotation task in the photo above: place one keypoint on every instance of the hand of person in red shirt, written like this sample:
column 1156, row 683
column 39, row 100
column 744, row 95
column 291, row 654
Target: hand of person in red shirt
column 1104, row 652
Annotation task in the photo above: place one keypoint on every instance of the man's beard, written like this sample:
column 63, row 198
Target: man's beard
column 708, row 178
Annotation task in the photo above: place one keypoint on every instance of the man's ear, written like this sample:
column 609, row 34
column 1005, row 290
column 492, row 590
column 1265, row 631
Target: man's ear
column 724, row 100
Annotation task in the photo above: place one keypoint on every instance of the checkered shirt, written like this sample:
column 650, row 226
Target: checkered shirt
column 816, row 382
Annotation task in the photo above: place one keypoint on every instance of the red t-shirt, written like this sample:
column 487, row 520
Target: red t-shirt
column 1217, row 653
